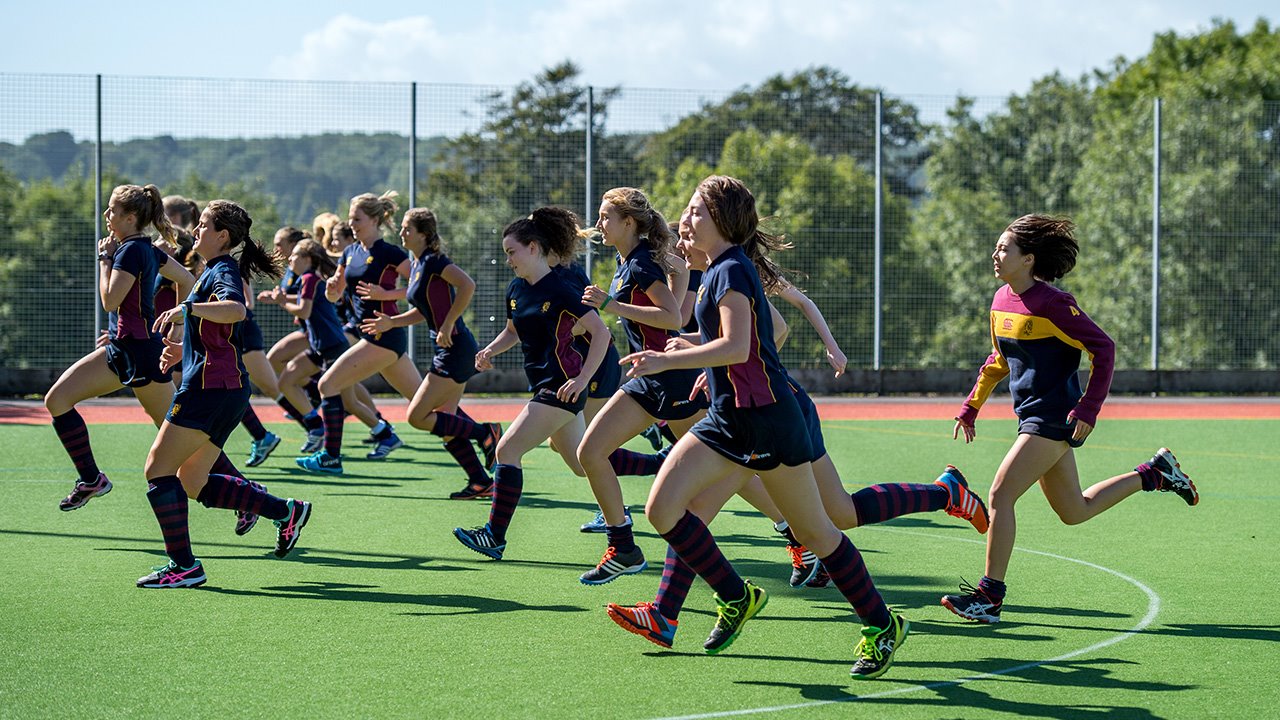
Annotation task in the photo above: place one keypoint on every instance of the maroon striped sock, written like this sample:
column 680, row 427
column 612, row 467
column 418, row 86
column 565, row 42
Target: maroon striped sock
column 629, row 462
column 463, row 414
column 251, row 423
column 886, row 501
column 449, row 425
column 222, row 465
column 849, row 573
column 677, row 578
column 75, row 440
column 235, row 493
column 169, row 503
column 697, row 548
column 465, row 453
column 334, row 414
column 508, row 482
column 1151, row 477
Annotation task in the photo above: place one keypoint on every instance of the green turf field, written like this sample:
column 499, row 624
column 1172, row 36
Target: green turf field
column 1153, row 609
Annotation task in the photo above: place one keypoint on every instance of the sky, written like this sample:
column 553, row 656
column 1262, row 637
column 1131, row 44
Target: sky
column 989, row 48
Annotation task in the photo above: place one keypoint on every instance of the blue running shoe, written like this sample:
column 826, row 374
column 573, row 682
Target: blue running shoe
column 481, row 540
column 384, row 447
column 260, row 450
column 598, row 525
column 321, row 462
column 314, row 443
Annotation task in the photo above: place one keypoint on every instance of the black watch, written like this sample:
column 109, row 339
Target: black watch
column 104, row 257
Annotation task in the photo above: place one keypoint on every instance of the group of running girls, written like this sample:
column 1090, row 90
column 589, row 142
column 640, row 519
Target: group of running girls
column 702, row 368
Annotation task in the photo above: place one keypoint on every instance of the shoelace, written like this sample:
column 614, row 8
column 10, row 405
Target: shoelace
column 868, row 650
column 967, row 589
column 797, row 555
column 609, row 554
column 727, row 612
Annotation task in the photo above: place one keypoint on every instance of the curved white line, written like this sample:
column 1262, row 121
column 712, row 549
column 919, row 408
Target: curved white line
column 1153, row 608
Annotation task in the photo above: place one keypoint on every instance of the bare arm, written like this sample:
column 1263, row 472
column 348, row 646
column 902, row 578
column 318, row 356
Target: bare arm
column 181, row 277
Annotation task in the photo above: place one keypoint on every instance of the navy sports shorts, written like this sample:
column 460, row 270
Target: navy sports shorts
column 325, row 357
column 548, row 397
column 396, row 340
column 215, row 412
column 458, row 361
column 758, row 438
column 136, row 361
column 607, row 379
column 1053, row 429
column 665, row 396
column 812, row 423
column 251, row 336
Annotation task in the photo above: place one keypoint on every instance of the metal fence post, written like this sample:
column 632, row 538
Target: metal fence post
column 413, row 177
column 1155, row 243
column 878, row 299
column 587, row 208
column 97, row 210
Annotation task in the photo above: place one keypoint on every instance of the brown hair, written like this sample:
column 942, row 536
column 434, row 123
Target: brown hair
column 424, row 221
column 381, row 208
column 254, row 260
column 321, row 263
column 733, row 210
column 652, row 228
column 323, row 225
column 144, row 203
column 1052, row 242
column 186, row 209
column 556, row 230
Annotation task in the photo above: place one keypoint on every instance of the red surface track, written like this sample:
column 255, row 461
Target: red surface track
column 126, row 410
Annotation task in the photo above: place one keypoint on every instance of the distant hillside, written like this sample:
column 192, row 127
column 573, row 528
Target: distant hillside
column 306, row 175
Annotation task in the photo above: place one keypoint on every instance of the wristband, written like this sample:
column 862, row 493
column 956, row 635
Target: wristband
column 104, row 257
column 188, row 309
column 607, row 298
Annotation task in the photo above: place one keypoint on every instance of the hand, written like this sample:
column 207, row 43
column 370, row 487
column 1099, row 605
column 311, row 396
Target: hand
column 593, row 296
column 484, row 360
column 175, row 333
column 572, row 388
column 444, row 336
column 700, row 386
column 1081, row 431
column 645, row 362
column 107, row 245
column 271, row 296
column 677, row 343
column 837, row 360
column 969, row 431
column 377, row 325
column 166, row 318
column 337, row 284
column 103, row 340
column 171, row 355
column 370, row 291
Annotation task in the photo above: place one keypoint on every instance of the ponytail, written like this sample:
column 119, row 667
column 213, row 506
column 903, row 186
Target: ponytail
column 382, row 208
column 556, row 230
column 254, row 260
column 732, row 208
column 424, row 221
column 158, row 217
column 651, row 227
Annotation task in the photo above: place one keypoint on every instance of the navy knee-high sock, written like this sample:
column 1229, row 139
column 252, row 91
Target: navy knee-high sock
column 878, row 503
column 74, row 435
column 694, row 544
column 334, row 414
column 292, row 411
column 251, row 423
column 508, row 483
column 169, row 503
column 849, row 573
column 629, row 462
column 450, row 425
column 222, row 465
column 236, row 493
column 465, row 453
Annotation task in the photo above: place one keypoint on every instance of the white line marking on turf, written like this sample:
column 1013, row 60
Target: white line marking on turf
column 1153, row 608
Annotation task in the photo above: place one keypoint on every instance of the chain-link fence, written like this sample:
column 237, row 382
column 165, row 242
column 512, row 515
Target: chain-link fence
column 892, row 202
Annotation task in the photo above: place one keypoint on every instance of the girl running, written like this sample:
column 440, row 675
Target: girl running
column 544, row 314
column 128, row 352
column 366, row 276
column 1038, row 332
column 210, row 401
column 439, row 292
column 754, row 423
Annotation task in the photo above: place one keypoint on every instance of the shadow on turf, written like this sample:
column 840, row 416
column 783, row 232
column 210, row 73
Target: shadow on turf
column 959, row 699
column 346, row 592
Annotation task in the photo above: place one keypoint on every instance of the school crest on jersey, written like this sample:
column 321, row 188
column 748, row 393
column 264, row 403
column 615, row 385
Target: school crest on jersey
column 513, row 304
column 546, row 306
column 701, row 289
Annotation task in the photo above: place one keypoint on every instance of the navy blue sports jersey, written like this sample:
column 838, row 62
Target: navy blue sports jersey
column 210, row 351
column 635, row 274
column 137, row 311
column 164, row 294
column 289, row 282
column 607, row 378
column 695, row 280
column 376, row 266
column 431, row 294
column 757, row 381
column 544, row 314
column 324, row 331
